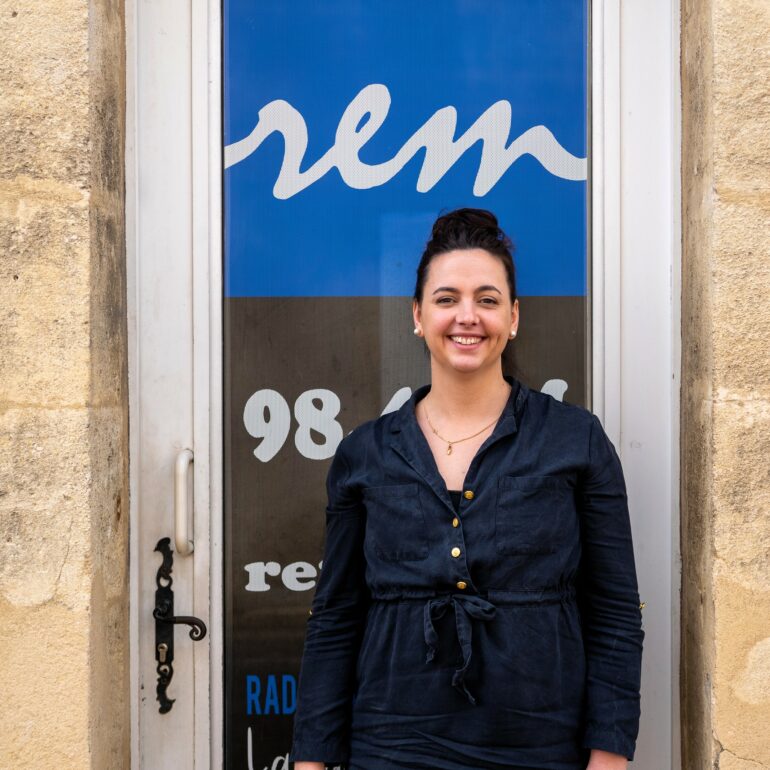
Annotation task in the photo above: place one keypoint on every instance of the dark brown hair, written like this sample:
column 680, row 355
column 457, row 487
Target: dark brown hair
column 468, row 228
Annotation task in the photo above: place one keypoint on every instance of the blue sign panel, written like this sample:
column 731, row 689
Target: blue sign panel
column 350, row 125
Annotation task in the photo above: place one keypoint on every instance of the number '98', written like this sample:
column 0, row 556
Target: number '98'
column 267, row 416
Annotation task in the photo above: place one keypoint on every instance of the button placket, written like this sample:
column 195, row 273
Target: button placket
column 456, row 551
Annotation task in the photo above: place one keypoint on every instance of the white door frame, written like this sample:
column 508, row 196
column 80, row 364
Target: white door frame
column 174, row 256
column 173, row 211
column 636, row 285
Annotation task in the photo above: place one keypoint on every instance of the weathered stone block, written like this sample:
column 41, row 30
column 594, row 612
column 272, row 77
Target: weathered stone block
column 44, row 100
column 741, row 681
column 45, row 484
column 44, row 293
column 44, row 681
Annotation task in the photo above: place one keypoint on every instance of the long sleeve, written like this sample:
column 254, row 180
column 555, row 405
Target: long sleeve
column 609, row 601
column 334, row 627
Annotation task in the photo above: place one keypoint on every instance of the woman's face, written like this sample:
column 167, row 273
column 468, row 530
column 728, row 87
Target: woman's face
column 466, row 315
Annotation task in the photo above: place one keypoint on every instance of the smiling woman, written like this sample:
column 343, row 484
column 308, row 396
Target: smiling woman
column 479, row 607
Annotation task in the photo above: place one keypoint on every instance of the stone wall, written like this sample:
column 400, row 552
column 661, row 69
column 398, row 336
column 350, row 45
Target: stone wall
column 725, row 411
column 63, row 387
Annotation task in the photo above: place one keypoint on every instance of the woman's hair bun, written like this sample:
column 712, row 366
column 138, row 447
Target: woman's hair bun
column 467, row 228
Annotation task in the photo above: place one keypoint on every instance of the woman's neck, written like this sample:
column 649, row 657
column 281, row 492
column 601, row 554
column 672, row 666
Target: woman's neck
column 466, row 399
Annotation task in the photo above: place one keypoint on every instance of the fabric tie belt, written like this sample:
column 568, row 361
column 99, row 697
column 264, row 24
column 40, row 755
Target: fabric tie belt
column 473, row 606
column 465, row 607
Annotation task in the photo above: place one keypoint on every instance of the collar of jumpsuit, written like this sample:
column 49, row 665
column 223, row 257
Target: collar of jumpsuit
column 409, row 441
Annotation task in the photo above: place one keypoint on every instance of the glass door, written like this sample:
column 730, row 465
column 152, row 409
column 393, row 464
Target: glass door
column 348, row 127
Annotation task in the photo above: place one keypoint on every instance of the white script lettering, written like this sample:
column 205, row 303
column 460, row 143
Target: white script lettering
column 365, row 115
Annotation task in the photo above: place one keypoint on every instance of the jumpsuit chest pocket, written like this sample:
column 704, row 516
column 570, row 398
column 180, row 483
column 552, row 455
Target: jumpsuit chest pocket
column 395, row 522
column 533, row 513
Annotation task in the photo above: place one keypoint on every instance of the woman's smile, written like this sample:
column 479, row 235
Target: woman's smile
column 467, row 341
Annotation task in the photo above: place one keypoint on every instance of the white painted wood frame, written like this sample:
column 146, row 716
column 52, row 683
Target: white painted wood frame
column 174, row 252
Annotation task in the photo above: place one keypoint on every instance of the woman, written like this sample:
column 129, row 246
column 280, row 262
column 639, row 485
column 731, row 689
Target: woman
column 478, row 603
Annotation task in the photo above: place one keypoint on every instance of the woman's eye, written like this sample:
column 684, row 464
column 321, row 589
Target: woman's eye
column 483, row 300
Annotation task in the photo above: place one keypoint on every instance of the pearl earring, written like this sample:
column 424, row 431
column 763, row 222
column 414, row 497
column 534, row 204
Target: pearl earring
column 513, row 333
column 416, row 331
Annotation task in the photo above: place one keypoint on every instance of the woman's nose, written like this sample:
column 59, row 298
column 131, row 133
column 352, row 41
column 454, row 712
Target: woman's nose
column 466, row 312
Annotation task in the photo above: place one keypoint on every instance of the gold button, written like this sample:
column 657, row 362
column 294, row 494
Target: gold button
column 455, row 551
column 461, row 584
column 468, row 494
column 642, row 605
column 455, row 522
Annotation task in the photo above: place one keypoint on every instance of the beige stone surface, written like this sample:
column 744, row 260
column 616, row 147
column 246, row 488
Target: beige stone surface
column 740, row 275
column 742, row 687
column 44, row 294
column 741, row 99
column 43, row 678
column 45, row 96
column 728, row 761
column 725, row 428
column 45, row 478
column 63, row 401
column 741, row 487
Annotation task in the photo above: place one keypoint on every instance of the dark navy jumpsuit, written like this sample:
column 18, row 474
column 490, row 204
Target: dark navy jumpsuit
column 506, row 634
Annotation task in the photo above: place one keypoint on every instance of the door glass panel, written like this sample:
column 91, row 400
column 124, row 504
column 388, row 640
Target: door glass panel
column 328, row 206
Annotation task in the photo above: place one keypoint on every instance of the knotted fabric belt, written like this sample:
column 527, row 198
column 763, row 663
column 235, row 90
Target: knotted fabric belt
column 465, row 607
column 473, row 606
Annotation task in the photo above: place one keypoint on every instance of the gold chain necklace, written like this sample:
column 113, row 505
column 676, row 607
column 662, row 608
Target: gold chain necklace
column 449, row 443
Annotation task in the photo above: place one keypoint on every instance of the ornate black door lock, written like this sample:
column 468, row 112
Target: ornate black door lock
column 164, row 625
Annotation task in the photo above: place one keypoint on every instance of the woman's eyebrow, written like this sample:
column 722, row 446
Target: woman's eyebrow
column 485, row 287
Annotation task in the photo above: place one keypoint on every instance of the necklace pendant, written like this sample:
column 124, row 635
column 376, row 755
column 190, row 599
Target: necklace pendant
column 449, row 449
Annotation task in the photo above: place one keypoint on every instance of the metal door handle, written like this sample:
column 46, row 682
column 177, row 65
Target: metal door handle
column 165, row 620
column 184, row 545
